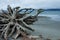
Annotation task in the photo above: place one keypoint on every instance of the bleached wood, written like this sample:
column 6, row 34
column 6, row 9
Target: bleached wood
column 15, row 21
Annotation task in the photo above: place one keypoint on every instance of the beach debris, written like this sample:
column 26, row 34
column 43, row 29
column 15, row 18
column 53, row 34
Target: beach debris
column 13, row 22
column 48, row 39
column 30, row 37
column 58, row 39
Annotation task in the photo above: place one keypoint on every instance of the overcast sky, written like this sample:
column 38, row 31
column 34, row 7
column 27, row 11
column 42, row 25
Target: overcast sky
column 30, row 3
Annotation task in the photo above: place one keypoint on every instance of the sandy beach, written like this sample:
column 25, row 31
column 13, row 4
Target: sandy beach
column 47, row 27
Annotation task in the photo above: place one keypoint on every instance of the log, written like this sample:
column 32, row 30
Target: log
column 19, row 21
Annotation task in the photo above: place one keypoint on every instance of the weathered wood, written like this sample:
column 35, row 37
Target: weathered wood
column 18, row 32
column 12, row 31
column 19, row 21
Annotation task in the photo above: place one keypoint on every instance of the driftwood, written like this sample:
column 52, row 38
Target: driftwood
column 15, row 22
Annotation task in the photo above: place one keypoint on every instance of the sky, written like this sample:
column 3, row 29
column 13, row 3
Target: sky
column 45, row 4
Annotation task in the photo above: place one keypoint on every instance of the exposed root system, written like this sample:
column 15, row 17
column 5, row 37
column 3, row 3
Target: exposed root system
column 14, row 23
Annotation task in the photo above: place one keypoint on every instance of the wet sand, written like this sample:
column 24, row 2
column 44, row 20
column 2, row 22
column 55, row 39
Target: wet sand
column 47, row 27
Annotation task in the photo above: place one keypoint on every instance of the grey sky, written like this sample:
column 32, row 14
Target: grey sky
column 30, row 3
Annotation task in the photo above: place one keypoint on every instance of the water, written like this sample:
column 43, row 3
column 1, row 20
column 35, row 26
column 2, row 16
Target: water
column 48, row 25
column 55, row 15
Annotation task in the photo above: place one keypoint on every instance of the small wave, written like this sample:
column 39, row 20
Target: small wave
column 53, row 17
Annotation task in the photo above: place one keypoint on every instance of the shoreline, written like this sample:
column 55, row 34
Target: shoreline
column 46, row 27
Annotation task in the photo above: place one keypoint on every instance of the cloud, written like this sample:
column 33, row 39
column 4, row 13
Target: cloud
column 30, row 3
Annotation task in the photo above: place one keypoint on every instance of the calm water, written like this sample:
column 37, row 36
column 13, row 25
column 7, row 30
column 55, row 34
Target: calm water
column 48, row 25
column 55, row 15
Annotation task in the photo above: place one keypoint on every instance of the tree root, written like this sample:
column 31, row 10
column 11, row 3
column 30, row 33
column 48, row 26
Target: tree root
column 14, row 23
